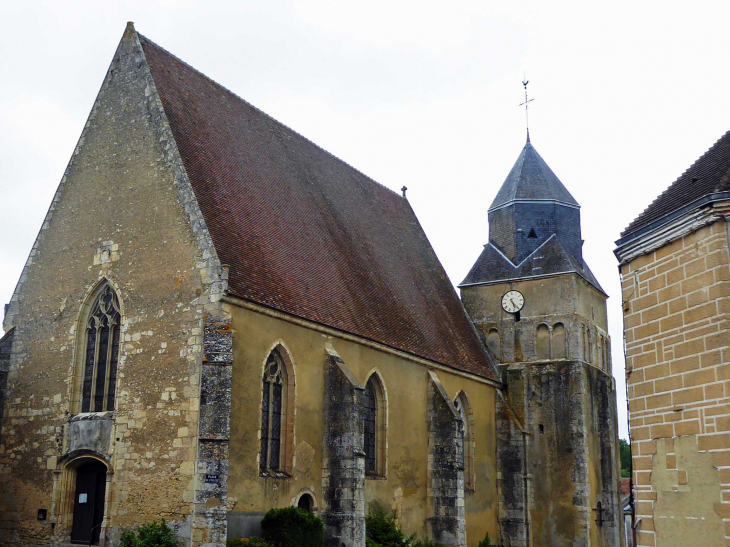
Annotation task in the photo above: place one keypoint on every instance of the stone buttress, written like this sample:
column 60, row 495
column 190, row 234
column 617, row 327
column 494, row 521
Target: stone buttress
column 445, row 467
column 343, row 472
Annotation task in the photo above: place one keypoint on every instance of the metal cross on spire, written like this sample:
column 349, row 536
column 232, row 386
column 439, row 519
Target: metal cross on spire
column 526, row 104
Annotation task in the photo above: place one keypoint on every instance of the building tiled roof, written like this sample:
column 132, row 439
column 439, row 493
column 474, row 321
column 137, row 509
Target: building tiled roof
column 532, row 179
column 303, row 232
column 709, row 174
column 625, row 485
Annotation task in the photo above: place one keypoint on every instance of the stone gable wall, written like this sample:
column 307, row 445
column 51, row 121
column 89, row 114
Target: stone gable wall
column 123, row 212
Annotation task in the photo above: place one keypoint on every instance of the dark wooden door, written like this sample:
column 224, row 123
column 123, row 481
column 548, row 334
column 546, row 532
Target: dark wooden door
column 89, row 503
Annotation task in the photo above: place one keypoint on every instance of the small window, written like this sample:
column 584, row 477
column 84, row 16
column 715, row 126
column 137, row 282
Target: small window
column 559, row 342
column 494, row 343
column 542, row 342
column 532, row 234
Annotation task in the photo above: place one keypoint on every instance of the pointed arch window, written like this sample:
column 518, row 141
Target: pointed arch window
column 101, row 355
column 467, row 436
column 374, row 424
column 370, row 416
column 273, row 413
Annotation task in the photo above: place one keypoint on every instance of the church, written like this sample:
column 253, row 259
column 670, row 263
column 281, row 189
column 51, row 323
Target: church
column 218, row 317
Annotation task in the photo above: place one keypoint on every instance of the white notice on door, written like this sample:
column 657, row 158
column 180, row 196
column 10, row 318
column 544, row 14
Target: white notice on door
column 83, row 498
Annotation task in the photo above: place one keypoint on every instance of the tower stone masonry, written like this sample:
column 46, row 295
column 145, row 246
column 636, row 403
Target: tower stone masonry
column 556, row 416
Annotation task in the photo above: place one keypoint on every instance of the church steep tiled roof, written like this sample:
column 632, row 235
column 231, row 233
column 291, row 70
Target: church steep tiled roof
column 303, row 232
column 709, row 174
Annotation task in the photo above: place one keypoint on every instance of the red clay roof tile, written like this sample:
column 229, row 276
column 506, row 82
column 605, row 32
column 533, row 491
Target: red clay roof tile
column 303, row 232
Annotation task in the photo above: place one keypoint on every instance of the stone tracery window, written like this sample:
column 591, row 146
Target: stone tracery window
column 101, row 354
column 273, row 413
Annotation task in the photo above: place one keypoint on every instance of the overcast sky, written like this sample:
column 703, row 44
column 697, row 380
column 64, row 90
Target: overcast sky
column 422, row 94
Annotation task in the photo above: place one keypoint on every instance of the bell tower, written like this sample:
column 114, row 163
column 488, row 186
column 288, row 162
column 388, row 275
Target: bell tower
column 542, row 313
column 534, row 253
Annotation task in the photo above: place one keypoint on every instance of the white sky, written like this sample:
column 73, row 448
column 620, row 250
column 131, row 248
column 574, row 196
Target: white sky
column 426, row 94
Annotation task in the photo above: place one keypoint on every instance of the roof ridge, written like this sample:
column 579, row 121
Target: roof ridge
column 224, row 88
column 630, row 228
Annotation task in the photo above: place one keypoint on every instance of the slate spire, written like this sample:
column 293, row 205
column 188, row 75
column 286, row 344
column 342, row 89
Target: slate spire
column 534, row 226
column 532, row 179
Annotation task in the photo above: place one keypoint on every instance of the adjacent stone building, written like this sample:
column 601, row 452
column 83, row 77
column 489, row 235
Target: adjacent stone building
column 219, row 317
column 675, row 277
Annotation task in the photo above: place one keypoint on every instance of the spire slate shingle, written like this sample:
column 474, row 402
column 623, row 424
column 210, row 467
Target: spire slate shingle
column 532, row 179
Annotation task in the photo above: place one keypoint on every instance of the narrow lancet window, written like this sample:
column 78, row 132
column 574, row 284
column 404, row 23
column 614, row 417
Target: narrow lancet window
column 370, row 418
column 102, row 353
column 272, row 412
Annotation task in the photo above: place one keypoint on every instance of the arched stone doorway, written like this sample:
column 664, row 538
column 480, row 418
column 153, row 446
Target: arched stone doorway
column 86, row 505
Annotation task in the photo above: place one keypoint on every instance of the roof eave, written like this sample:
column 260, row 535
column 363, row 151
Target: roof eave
column 629, row 237
column 532, row 277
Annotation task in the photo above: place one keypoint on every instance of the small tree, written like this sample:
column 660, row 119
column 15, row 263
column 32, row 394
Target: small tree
column 150, row 535
column 382, row 530
column 625, row 450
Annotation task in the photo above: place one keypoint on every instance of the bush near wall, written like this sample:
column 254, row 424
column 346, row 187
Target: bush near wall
column 150, row 535
column 247, row 542
column 382, row 530
column 292, row 527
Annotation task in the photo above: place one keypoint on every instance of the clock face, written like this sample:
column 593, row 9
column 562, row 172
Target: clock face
column 512, row 301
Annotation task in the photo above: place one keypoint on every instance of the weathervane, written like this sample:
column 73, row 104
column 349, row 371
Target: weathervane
column 526, row 104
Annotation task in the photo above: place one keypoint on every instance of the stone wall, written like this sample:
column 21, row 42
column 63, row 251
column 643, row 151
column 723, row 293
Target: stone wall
column 6, row 345
column 676, row 306
column 403, row 481
column 559, row 454
column 124, row 213
column 566, row 299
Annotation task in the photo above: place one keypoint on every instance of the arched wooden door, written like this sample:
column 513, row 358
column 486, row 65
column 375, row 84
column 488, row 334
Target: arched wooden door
column 89, row 503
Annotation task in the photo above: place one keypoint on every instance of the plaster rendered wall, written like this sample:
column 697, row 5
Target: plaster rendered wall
column 676, row 306
column 404, row 488
column 567, row 298
column 117, row 214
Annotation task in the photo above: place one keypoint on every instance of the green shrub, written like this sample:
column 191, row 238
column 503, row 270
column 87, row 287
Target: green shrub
column 486, row 542
column 150, row 535
column 247, row 542
column 427, row 543
column 382, row 530
column 292, row 527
